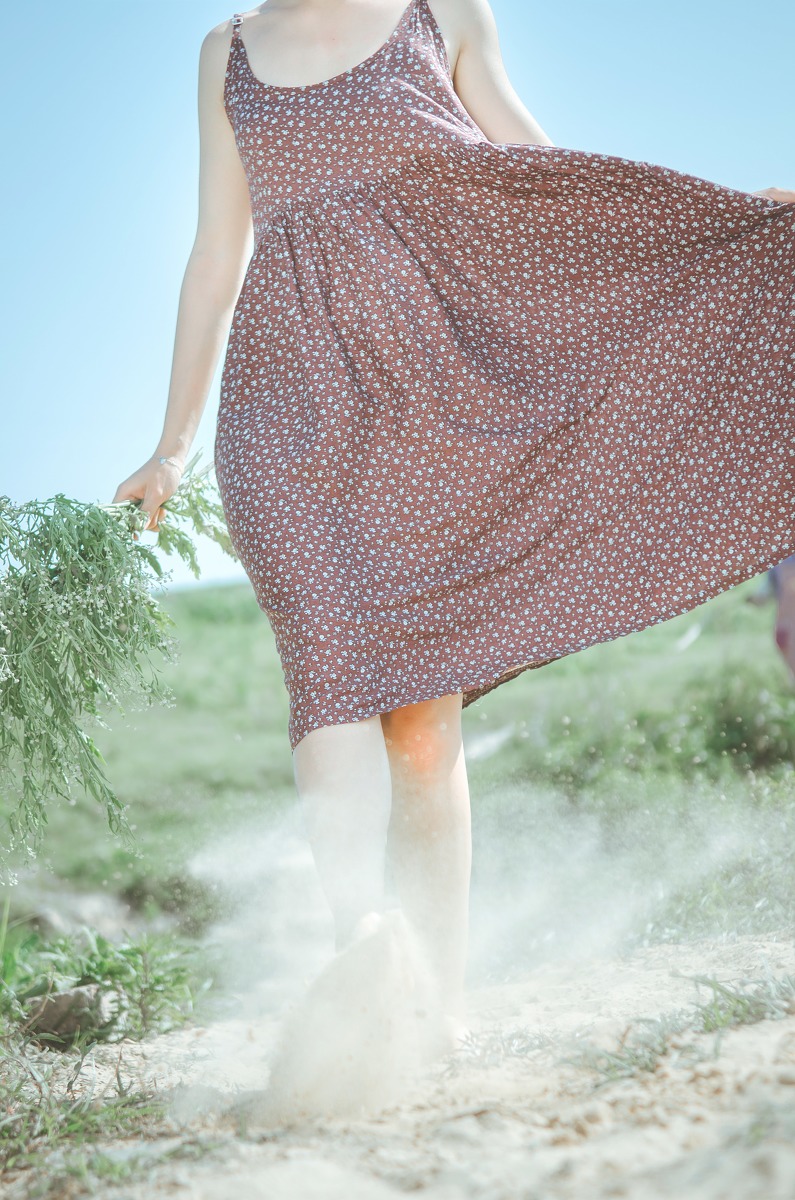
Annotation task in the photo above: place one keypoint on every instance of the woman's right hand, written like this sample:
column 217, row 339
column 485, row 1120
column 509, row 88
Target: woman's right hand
column 152, row 484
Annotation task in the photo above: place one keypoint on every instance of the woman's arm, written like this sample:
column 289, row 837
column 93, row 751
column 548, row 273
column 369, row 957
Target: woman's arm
column 210, row 287
column 482, row 84
column 479, row 76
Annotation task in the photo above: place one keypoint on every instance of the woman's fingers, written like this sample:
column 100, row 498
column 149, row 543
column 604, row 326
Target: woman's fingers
column 150, row 486
column 775, row 193
column 149, row 506
column 154, row 510
column 125, row 492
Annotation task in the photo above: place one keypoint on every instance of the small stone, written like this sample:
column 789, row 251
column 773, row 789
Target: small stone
column 62, row 1015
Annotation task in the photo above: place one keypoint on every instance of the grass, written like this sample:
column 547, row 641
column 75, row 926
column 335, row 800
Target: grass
column 658, row 767
column 45, row 1108
column 761, row 1000
column 645, row 1043
column 640, row 1049
column 41, row 1111
column 655, row 702
column 492, row 1047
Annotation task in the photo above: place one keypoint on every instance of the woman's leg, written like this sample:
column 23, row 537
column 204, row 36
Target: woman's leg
column 343, row 779
column 430, row 847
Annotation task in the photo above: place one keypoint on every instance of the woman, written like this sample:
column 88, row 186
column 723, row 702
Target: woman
column 485, row 401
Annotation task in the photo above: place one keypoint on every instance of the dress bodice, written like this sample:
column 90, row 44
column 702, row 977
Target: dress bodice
column 394, row 111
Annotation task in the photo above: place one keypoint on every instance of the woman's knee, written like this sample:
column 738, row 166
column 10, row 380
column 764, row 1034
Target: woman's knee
column 425, row 737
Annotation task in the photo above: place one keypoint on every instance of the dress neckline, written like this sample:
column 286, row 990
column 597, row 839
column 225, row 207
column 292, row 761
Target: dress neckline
column 306, row 87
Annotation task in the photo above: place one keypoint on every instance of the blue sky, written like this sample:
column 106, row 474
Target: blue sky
column 101, row 155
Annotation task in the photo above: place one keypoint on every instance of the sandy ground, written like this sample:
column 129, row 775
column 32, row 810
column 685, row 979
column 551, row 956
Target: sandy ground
column 512, row 1115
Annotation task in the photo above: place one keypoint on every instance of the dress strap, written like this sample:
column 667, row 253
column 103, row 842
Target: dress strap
column 237, row 21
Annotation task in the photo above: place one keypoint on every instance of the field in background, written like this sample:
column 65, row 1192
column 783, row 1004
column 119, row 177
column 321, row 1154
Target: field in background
column 645, row 784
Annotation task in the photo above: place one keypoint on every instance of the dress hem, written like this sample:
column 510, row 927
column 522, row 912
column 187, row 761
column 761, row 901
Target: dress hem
column 471, row 692
column 489, row 681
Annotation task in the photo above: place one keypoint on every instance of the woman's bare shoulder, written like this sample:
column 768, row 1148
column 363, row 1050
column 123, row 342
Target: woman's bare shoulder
column 462, row 22
column 462, row 15
column 219, row 36
column 214, row 52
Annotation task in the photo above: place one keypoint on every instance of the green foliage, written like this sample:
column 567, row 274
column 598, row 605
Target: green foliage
column 80, row 631
column 750, row 720
column 759, row 1000
column 490, row 1048
column 194, row 903
column 683, row 848
column 40, row 1112
column 646, row 1041
column 594, row 809
column 153, row 981
column 724, row 707
column 640, row 1048
column 752, row 892
column 734, row 716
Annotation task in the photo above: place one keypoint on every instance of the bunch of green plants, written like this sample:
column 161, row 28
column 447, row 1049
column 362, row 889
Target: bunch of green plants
column 152, row 983
column 80, row 633
column 41, row 1111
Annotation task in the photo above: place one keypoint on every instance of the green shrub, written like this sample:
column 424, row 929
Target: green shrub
column 152, row 982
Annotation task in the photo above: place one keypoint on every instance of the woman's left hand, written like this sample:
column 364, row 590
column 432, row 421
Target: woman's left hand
column 776, row 194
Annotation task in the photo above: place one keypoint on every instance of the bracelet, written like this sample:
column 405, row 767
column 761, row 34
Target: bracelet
column 171, row 459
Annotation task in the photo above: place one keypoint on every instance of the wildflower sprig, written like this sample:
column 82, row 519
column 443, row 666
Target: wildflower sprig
column 81, row 632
